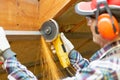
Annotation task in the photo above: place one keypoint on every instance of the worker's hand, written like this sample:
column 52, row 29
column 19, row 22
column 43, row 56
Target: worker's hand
column 3, row 41
column 68, row 45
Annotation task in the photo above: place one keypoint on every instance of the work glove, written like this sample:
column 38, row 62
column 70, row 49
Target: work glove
column 5, row 50
column 4, row 45
column 67, row 44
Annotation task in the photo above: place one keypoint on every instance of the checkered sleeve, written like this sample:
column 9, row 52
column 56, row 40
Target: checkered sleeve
column 98, row 70
column 17, row 71
column 77, row 60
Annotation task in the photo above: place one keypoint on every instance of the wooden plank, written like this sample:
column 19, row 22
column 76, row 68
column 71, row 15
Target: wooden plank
column 19, row 14
column 50, row 8
column 70, row 4
column 77, row 26
column 29, row 14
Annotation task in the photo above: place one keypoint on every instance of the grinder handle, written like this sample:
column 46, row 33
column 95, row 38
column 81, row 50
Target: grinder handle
column 61, row 52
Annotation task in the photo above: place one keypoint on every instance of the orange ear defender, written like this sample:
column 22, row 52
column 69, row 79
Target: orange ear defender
column 107, row 26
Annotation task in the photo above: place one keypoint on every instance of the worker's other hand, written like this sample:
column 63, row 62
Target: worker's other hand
column 67, row 44
column 4, row 44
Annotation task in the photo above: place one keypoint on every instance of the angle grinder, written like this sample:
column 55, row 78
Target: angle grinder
column 50, row 31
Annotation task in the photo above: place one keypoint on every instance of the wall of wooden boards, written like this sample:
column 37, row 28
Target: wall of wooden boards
column 28, row 14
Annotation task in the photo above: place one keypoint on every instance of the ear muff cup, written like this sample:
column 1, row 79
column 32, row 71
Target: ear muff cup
column 105, row 27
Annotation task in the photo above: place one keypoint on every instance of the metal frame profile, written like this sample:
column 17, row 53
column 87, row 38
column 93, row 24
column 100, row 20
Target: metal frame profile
column 35, row 35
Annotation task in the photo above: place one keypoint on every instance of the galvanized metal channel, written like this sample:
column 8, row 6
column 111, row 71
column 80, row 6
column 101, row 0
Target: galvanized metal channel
column 35, row 35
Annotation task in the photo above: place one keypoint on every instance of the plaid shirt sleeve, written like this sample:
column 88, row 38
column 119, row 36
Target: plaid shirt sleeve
column 98, row 70
column 95, row 70
column 77, row 61
column 17, row 71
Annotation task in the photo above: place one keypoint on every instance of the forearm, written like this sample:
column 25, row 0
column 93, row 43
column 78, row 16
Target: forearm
column 16, row 70
column 77, row 60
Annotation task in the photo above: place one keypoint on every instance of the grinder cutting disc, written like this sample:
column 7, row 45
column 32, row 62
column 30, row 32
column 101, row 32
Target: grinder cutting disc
column 49, row 30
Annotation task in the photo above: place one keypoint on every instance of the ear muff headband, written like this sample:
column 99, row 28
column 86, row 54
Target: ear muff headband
column 106, row 24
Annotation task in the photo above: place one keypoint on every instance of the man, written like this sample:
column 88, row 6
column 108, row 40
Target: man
column 105, row 63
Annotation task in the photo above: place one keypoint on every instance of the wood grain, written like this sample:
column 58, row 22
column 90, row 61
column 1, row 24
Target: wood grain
column 28, row 14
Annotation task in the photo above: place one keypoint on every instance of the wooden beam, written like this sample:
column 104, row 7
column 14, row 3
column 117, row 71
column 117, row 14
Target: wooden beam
column 70, row 4
column 19, row 14
column 51, row 8
column 77, row 26
column 30, row 14
column 78, row 35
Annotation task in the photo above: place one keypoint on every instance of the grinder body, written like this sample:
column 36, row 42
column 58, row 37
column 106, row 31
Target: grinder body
column 51, row 34
column 61, row 52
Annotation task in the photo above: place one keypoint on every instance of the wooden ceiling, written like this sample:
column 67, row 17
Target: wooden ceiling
column 31, row 14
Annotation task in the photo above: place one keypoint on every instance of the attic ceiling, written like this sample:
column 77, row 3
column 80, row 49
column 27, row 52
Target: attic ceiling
column 31, row 14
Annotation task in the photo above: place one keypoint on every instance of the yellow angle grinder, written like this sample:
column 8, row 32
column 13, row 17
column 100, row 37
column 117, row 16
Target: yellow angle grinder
column 50, row 31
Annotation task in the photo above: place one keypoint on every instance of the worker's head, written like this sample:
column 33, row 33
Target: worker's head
column 102, row 17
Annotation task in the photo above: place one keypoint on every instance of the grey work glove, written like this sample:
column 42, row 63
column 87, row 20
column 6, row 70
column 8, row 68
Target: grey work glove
column 4, row 44
column 67, row 44
column 5, row 50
